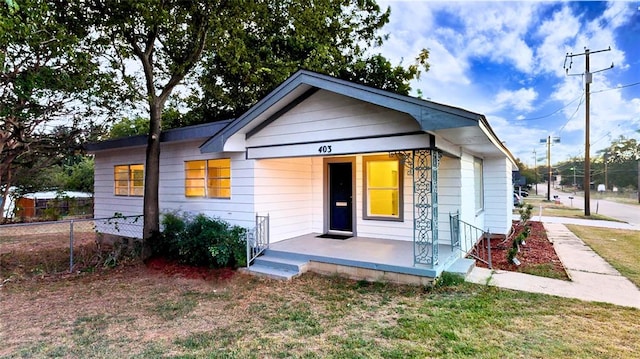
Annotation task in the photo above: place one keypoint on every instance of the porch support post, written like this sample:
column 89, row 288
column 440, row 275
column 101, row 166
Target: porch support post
column 425, row 206
column 423, row 165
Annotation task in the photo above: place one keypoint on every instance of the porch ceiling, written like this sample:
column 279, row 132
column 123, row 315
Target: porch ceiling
column 471, row 138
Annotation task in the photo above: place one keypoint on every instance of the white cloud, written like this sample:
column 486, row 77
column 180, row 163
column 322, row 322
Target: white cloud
column 520, row 99
column 496, row 31
column 532, row 38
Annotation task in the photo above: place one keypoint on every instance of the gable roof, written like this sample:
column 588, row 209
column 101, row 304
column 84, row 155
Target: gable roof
column 431, row 116
column 172, row 135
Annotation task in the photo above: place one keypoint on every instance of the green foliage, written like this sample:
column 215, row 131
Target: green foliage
column 202, row 241
column 129, row 127
column 73, row 173
column 525, row 212
column 511, row 254
column 337, row 38
column 171, row 118
column 448, row 279
column 78, row 176
column 527, row 172
column 51, row 84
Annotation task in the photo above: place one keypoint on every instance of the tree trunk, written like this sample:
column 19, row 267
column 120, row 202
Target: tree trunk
column 151, row 228
column 638, row 181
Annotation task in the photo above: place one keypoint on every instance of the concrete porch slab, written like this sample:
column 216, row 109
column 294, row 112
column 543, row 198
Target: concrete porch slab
column 383, row 255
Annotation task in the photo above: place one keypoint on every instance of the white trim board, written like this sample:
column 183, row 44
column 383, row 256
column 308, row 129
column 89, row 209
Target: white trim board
column 341, row 147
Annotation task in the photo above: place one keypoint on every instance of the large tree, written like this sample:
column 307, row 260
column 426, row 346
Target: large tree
column 237, row 49
column 334, row 37
column 166, row 38
column 626, row 150
column 48, row 82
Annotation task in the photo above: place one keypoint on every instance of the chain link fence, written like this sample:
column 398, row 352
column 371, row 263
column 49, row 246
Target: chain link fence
column 43, row 248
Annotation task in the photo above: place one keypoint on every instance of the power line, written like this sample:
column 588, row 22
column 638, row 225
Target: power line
column 588, row 76
column 579, row 98
column 554, row 112
column 571, row 117
column 618, row 87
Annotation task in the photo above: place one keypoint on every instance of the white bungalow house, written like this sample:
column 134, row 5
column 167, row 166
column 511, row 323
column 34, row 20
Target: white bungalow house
column 353, row 179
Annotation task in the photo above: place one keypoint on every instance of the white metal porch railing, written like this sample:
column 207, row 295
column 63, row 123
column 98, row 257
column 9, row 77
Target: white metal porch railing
column 257, row 238
column 471, row 240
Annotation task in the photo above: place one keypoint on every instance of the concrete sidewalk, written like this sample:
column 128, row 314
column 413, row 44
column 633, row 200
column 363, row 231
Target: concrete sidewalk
column 581, row 222
column 592, row 278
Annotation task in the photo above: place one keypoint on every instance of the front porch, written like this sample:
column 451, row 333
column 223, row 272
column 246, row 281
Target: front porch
column 365, row 258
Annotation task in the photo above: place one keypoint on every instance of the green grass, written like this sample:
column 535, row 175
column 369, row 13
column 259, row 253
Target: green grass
column 621, row 248
column 551, row 209
column 544, row 270
column 131, row 313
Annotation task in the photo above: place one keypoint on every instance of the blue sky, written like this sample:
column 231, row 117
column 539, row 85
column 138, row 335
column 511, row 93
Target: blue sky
column 505, row 60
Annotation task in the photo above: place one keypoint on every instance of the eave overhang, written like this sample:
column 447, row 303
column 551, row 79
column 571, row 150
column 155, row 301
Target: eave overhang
column 429, row 115
column 173, row 135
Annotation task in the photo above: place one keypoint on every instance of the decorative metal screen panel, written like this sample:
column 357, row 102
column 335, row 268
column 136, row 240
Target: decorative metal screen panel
column 422, row 165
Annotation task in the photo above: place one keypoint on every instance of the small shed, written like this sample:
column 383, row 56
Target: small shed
column 53, row 204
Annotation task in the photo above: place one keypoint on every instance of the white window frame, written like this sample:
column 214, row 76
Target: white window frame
column 208, row 177
column 132, row 189
column 365, row 189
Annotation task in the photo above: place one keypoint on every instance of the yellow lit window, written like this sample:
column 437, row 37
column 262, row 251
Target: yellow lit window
column 383, row 186
column 128, row 180
column 208, row 178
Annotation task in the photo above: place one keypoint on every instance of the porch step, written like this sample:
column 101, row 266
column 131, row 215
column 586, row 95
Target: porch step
column 462, row 267
column 275, row 267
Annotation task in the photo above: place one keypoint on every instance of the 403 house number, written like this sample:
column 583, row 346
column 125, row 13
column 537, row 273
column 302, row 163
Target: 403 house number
column 324, row 149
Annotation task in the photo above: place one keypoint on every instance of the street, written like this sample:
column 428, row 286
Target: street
column 624, row 212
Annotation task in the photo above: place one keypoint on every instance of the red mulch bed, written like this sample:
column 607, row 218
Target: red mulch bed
column 174, row 268
column 536, row 252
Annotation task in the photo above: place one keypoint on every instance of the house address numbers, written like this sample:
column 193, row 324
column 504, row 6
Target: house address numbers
column 324, row 149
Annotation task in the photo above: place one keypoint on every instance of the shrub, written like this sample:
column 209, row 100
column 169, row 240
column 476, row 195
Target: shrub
column 202, row 241
column 525, row 212
column 511, row 254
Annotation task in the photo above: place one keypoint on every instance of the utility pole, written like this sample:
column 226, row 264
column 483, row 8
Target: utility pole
column 548, row 140
column 588, row 78
column 549, row 168
column 535, row 168
column 606, row 182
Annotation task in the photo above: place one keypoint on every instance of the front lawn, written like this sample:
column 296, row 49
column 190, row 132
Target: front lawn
column 136, row 311
column 621, row 248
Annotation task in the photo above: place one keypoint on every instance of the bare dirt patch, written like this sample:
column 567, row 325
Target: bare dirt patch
column 175, row 269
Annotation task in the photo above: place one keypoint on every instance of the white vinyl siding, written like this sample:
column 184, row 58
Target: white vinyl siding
column 106, row 202
column 498, row 194
column 449, row 195
column 328, row 116
column 478, row 184
column 284, row 189
column 291, row 191
column 468, row 211
column 238, row 210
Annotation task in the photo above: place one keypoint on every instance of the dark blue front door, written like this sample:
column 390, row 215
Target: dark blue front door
column 340, row 197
